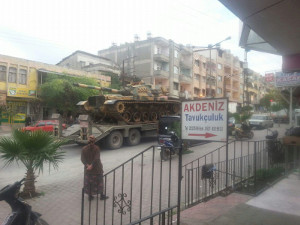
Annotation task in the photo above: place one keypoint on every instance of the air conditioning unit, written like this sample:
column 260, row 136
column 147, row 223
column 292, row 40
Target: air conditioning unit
column 158, row 68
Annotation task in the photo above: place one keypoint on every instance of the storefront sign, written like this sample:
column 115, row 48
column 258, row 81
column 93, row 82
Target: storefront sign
column 287, row 79
column 21, row 92
column 205, row 119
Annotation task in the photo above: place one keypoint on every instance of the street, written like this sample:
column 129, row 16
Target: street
column 61, row 190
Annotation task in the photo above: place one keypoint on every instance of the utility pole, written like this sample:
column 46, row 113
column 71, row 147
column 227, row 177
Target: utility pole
column 245, row 73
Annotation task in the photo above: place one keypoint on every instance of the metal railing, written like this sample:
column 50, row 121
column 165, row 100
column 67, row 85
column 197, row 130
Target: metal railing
column 142, row 189
column 147, row 190
column 246, row 159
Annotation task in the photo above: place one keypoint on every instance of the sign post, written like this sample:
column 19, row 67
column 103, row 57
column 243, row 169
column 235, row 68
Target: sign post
column 206, row 119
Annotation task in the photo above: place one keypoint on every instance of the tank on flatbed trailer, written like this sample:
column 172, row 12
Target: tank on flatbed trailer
column 114, row 135
column 136, row 103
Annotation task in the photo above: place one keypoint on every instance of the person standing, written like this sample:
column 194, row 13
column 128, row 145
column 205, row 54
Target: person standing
column 93, row 169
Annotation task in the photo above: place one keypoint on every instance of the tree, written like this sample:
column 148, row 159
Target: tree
column 60, row 93
column 33, row 150
column 243, row 115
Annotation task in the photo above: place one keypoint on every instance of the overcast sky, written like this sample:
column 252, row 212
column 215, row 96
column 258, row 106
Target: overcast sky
column 49, row 30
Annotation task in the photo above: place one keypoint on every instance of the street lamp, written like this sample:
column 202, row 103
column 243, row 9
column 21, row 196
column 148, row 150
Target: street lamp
column 210, row 47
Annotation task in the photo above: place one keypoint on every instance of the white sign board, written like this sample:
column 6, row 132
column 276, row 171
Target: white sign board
column 205, row 119
column 287, row 79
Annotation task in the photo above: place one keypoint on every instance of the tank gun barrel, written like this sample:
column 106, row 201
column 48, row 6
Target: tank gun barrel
column 115, row 91
column 97, row 88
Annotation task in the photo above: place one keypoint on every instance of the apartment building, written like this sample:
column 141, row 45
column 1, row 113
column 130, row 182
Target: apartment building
column 80, row 60
column 19, row 80
column 158, row 62
column 220, row 74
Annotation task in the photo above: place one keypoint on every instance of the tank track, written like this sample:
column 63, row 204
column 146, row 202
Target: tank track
column 142, row 112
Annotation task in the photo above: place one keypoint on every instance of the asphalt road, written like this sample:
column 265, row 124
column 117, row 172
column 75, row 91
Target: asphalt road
column 53, row 181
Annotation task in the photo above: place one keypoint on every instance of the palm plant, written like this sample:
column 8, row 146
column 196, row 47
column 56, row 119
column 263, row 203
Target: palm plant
column 33, row 150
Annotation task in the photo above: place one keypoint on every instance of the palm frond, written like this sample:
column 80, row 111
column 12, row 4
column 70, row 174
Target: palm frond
column 32, row 149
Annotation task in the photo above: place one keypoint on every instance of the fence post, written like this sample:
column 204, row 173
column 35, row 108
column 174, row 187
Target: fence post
column 254, row 163
column 179, row 184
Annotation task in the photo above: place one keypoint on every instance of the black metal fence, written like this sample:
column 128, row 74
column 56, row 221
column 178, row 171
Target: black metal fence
column 147, row 190
column 142, row 190
column 247, row 161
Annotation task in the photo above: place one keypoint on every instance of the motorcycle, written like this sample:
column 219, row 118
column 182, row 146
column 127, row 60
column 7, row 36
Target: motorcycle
column 21, row 211
column 168, row 129
column 169, row 145
column 243, row 132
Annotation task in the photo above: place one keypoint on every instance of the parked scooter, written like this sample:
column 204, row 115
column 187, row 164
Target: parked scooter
column 21, row 211
column 243, row 132
column 169, row 145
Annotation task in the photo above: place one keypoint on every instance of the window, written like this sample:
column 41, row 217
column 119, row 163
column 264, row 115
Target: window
column 219, row 78
column 41, row 124
column 220, row 54
column 2, row 73
column 241, row 96
column 176, row 53
column 49, row 123
column 175, row 86
column 219, row 66
column 197, row 76
column 176, row 70
column 219, row 90
column 197, row 62
column 22, row 76
column 196, row 91
column 12, row 75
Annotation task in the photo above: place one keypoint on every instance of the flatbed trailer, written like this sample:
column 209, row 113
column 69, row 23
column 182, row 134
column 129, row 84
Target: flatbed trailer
column 115, row 135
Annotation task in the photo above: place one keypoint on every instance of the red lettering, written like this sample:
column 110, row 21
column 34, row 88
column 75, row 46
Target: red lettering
column 211, row 106
column 204, row 105
column 221, row 106
column 186, row 108
column 192, row 107
column 198, row 107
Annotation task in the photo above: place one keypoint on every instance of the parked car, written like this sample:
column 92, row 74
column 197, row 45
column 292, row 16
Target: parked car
column 46, row 125
column 231, row 125
column 261, row 121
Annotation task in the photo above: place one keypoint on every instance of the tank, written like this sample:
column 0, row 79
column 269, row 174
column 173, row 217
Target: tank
column 135, row 103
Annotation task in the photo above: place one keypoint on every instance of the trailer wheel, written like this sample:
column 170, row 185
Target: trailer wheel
column 115, row 140
column 134, row 137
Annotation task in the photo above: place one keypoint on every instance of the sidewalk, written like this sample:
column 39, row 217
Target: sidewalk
column 280, row 204
column 5, row 130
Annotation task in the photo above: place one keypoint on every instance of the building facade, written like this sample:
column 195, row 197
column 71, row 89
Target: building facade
column 19, row 81
column 84, row 61
column 218, row 73
column 157, row 61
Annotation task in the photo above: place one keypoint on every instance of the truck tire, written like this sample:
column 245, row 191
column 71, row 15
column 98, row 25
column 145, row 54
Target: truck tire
column 134, row 137
column 115, row 140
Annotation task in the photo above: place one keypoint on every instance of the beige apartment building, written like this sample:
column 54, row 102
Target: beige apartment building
column 217, row 73
column 157, row 61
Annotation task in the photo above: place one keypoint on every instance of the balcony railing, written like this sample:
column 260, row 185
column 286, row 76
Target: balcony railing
column 183, row 78
column 161, row 73
column 186, row 64
column 161, row 57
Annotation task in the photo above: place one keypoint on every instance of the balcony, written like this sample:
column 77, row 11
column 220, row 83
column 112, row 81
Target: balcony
column 161, row 74
column 186, row 64
column 185, row 79
column 161, row 57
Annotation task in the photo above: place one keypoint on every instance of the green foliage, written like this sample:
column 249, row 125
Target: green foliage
column 269, row 174
column 60, row 93
column 276, row 107
column 244, row 114
column 33, row 149
column 115, row 82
